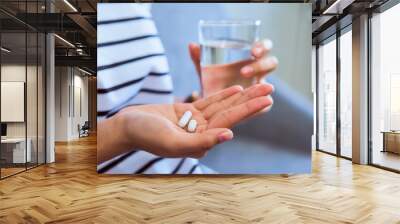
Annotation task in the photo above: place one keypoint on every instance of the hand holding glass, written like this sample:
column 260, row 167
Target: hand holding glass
column 225, row 49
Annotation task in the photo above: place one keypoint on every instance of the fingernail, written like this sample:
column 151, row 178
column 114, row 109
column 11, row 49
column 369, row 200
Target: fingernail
column 195, row 94
column 225, row 136
column 258, row 51
column 270, row 61
column 268, row 44
column 274, row 60
column 246, row 70
column 273, row 88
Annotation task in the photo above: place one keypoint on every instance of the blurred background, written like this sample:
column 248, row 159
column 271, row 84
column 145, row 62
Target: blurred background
column 275, row 142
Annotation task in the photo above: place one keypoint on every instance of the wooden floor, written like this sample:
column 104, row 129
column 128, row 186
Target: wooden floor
column 10, row 171
column 5, row 172
column 387, row 159
column 70, row 191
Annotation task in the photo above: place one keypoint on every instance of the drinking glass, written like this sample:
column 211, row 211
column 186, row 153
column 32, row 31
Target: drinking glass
column 225, row 49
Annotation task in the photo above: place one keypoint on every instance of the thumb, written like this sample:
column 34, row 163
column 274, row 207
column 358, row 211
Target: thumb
column 203, row 141
column 194, row 51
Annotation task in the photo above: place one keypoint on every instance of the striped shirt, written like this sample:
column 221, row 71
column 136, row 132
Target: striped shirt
column 132, row 69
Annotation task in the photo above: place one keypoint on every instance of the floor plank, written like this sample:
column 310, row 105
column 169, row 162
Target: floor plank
column 70, row 191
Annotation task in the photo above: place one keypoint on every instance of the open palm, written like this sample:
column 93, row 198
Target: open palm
column 154, row 127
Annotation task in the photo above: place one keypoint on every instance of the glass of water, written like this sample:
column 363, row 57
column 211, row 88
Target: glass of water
column 225, row 49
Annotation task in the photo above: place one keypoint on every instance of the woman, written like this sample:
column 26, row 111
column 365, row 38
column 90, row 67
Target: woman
column 137, row 131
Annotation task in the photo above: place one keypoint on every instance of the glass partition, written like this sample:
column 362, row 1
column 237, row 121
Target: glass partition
column 346, row 93
column 327, row 96
column 31, row 99
column 385, row 89
column 14, row 151
column 41, row 109
column 22, row 77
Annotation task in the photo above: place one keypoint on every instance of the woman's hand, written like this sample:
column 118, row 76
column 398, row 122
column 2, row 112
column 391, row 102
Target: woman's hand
column 154, row 127
column 223, row 76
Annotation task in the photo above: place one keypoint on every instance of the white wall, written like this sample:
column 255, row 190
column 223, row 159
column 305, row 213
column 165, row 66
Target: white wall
column 81, row 85
column 61, row 103
column 12, row 73
column 70, row 84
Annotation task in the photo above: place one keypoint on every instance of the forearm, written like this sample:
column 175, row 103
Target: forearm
column 112, row 138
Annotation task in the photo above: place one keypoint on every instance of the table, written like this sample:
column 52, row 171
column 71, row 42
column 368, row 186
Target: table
column 391, row 141
column 13, row 150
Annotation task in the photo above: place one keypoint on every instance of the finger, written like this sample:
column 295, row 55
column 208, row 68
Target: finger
column 240, row 112
column 254, row 91
column 190, row 144
column 260, row 67
column 219, row 96
column 261, row 48
column 267, row 109
column 257, row 90
column 194, row 51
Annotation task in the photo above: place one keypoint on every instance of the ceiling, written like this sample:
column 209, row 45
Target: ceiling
column 74, row 22
column 331, row 15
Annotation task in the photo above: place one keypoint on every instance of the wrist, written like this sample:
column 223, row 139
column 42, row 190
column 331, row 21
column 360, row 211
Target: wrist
column 125, row 122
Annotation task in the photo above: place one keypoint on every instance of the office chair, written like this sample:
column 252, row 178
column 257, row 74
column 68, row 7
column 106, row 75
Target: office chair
column 84, row 130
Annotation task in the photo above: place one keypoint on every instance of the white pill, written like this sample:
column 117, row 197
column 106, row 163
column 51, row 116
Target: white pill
column 185, row 119
column 192, row 125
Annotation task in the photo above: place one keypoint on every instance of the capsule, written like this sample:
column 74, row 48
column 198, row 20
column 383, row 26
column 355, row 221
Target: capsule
column 185, row 119
column 192, row 126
